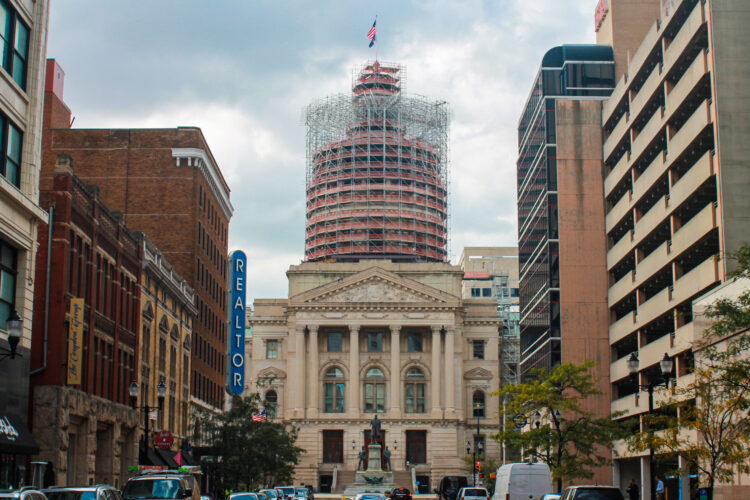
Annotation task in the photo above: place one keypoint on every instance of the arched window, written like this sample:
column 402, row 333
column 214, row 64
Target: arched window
column 478, row 403
column 374, row 391
column 414, row 391
column 333, row 391
column 271, row 402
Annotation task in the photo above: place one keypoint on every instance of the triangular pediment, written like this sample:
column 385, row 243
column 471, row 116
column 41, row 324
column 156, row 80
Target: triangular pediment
column 376, row 285
column 478, row 374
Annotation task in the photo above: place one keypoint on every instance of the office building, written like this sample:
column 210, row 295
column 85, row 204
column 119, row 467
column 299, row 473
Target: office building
column 24, row 35
column 677, row 174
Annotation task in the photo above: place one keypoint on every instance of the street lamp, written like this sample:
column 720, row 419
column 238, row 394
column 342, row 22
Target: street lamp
column 665, row 367
column 161, row 392
column 14, row 326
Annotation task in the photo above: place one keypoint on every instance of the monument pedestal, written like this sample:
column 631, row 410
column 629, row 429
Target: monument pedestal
column 374, row 479
column 373, row 457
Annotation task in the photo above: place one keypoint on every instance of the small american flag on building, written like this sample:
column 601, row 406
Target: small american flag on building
column 371, row 33
column 260, row 417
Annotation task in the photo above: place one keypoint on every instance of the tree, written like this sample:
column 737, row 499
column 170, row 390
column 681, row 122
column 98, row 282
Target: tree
column 552, row 425
column 488, row 467
column 249, row 454
column 710, row 429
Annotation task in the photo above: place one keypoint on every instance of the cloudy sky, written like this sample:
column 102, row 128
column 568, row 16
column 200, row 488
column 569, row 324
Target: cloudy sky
column 243, row 71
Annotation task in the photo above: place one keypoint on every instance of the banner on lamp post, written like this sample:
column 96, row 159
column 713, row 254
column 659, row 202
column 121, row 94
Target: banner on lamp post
column 75, row 341
column 236, row 351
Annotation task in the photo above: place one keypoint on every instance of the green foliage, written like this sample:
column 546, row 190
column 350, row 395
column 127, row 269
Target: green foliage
column 250, row 455
column 569, row 439
column 711, row 430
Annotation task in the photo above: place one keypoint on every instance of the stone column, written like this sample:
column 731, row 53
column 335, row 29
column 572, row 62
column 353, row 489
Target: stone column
column 299, row 370
column 353, row 404
column 395, row 371
column 450, row 380
column 460, row 397
column 312, row 375
column 436, row 374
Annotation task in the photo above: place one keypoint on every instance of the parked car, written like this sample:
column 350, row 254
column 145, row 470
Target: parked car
column 100, row 492
column 161, row 486
column 591, row 493
column 522, row 481
column 370, row 496
column 243, row 495
column 306, row 492
column 24, row 493
column 551, row 496
column 271, row 493
column 449, row 487
column 472, row 493
column 400, row 494
column 288, row 491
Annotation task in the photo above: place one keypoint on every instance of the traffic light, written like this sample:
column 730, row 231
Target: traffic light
column 478, row 466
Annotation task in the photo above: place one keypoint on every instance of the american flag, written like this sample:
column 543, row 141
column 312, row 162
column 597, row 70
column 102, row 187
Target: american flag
column 371, row 33
column 260, row 417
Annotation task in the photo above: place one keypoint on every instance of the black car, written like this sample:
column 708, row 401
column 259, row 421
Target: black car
column 400, row 494
column 449, row 486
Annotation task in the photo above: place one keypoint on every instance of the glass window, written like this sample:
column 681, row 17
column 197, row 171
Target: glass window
column 20, row 54
column 486, row 292
column 13, row 156
column 374, row 397
column 334, row 341
column 375, row 342
column 271, row 403
column 374, row 373
column 334, row 373
column 414, row 400
column 333, row 395
column 478, row 403
column 333, row 447
column 6, row 31
column 272, row 349
column 8, row 271
column 478, row 349
column 476, row 292
column 415, row 342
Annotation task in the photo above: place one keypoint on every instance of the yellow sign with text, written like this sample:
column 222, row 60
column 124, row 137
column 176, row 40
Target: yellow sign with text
column 75, row 341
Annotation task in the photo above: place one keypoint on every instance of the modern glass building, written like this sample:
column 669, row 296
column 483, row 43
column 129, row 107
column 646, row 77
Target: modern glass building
column 560, row 221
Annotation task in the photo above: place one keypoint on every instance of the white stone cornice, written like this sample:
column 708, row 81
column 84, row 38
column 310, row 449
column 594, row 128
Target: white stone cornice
column 198, row 158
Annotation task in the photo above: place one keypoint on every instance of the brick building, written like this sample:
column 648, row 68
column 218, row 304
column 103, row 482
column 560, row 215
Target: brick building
column 167, row 184
column 80, row 396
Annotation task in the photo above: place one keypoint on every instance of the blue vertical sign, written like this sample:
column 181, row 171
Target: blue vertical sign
column 237, row 282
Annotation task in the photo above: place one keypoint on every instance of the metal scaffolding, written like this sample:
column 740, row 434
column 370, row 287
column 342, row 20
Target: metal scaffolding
column 377, row 171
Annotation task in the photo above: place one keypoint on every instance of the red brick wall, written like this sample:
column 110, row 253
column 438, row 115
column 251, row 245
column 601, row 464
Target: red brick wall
column 137, row 176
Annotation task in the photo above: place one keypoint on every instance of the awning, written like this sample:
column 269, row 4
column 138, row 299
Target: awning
column 15, row 437
column 154, row 459
column 167, row 457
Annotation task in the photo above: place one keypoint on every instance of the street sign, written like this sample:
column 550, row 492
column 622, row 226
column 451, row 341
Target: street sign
column 163, row 440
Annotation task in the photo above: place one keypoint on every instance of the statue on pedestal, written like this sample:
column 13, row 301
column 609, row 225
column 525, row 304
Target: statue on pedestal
column 362, row 455
column 375, row 433
column 386, row 459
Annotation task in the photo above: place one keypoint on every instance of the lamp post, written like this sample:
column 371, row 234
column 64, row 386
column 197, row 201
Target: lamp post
column 14, row 325
column 161, row 392
column 477, row 450
column 665, row 367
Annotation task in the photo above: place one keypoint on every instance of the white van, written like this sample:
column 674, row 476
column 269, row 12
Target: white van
column 522, row 481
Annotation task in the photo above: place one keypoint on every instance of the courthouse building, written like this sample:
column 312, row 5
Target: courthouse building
column 374, row 322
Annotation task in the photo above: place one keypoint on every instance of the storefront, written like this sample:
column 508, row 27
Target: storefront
column 16, row 446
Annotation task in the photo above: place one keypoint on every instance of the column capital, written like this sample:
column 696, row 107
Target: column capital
column 300, row 329
column 395, row 329
column 436, row 329
column 353, row 329
column 312, row 328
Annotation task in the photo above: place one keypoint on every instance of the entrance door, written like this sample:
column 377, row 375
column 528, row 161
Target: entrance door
column 382, row 442
column 333, row 447
column 416, row 447
column 326, row 481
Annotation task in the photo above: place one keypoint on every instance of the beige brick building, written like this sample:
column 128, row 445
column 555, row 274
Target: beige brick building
column 376, row 337
column 677, row 174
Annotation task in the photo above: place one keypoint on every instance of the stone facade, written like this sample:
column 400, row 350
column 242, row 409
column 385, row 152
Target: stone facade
column 168, row 313
column 88, row 439
column 326, row 355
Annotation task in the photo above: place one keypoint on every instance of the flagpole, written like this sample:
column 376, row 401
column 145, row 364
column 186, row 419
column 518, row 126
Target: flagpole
column 376, row 41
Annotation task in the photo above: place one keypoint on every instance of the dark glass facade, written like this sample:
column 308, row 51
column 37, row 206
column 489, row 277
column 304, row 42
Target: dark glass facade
column 567, row 72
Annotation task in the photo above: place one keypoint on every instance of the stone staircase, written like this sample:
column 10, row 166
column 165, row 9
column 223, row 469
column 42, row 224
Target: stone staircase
column 344, row 478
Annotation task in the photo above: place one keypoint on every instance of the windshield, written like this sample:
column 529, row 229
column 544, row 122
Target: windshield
column 270, row 493
column 152, row 488
column 71, row 495
column 598, row 494
column 475, row 492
